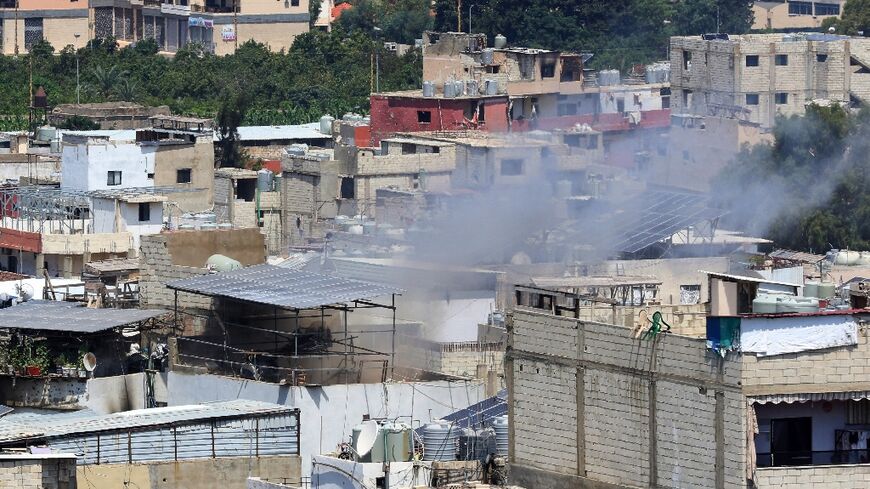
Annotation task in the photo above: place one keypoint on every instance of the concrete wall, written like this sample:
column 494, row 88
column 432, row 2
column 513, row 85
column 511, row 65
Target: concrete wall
column 13, row 167
column 330, row 413
column 831, row 370
column 775, row 15
column 38, row 471
column 60, row 22
column 685, row 320
column 85, row 166
column 590, row 404
column 107, row 395
column 44, row 392
column 199, row 157
column 226, row 472
column 276, row 35
column 833, row 476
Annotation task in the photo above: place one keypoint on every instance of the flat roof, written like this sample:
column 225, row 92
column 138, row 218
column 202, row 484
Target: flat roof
column 28, row 426
column 600, row 281
column 235, row 173
column 745, row 278
column 70, row 317
column 267, row 133
column 411, row 140
column 798, row 256
column 419, row 94
column 282, row 287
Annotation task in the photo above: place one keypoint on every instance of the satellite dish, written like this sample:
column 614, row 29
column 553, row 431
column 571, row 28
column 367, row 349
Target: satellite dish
column 367, row 437
column 25, row 292
column 89, row 361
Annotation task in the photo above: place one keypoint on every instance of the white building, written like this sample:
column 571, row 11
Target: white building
column 106, row 160
column 135, row 213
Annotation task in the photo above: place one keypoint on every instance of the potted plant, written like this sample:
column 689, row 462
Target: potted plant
column 38, row 361
column 59, row 363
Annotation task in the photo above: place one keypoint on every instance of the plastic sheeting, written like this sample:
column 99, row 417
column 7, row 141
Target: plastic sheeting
column 777, row 336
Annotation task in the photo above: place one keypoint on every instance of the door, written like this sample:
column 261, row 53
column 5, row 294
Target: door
column 791, row 441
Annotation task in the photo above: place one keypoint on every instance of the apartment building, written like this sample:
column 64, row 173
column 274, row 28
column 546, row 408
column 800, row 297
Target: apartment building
column 24, row 23
column 755, row 77
column 793, row 14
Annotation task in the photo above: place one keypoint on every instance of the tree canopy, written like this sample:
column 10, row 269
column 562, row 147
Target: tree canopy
column 855, row 18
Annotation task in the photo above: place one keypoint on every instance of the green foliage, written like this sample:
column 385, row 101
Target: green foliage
column 810, row 189
column 79, row 123
column 855, row 18
column 400, row 21
column 229, row 117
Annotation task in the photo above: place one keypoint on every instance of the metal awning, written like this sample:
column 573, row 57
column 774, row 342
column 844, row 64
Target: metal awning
column 809, row 397
column 70, row 317
column 282, row 287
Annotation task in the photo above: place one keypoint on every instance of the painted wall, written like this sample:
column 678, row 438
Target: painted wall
column 85, row 165
column 330, row 413
column 199, row 157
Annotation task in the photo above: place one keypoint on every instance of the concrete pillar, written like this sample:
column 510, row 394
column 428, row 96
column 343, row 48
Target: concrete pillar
column 67, row 266
column 40, row 264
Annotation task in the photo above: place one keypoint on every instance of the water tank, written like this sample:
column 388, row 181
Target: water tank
column 55, row 146
column 326, row 124
column 845, row 257
column 428, row 89
column 471, row 87
column 439, row 441
column 476, row 445
column 222, row 263
column 764, row 304
column 500, row 426
column 296, row 149
column 811, row 289
column 205, row 217
column 490, row 87
column 449, row 89
column 265, row 180
column 827, row 290
column 351, row 117
column 608, row 77
column 355, row 229
column 563, row 189
column 487, row 57
column 864, row 258
column 500, row 41
column 186, row 227
column 797, row 304
column 397, row 442
column 46, row 134
column 208, row 226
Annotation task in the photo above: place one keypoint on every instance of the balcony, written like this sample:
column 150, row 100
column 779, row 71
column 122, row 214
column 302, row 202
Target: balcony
column 800, row 459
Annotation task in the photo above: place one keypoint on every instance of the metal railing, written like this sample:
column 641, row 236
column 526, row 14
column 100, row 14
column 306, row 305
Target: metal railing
column 831, row 457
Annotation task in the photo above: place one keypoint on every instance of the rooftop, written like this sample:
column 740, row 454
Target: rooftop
column 70, row 317
column 480, row 139
column 577, row 282
column 235, row 173
column 417, row 94
column 279, row 133
column 112, row 266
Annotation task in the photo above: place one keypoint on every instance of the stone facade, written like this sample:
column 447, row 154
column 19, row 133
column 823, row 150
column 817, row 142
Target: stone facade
column 590, row 406
column 38, row 471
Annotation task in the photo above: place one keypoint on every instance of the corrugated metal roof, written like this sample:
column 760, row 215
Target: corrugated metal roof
column 4, row 410
column 53, row 426
column 745, row 278
column 70, row 317
column 282, row 287
column 113, row 265
column 615, row 281
column 277, row 133
column 798, row 256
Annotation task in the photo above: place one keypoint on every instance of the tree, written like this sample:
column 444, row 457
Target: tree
column 229, row 117
column 126, row 90
column 855, row 18
column 313, row 12
column 705, row 16
column 107, row 80
column 41, row 49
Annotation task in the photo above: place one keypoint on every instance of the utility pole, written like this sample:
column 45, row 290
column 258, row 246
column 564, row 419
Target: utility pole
column 16, row 27
column 236, row 24
column 458, row 15
column 469, row 17
column 78, row 85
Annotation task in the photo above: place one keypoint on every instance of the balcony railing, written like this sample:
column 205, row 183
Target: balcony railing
column 795, row 459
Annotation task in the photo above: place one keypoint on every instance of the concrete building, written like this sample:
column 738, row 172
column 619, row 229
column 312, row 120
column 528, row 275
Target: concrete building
column 213, row 24
column 794, row 14
column 23, row 23
column 135, row 213
column 755, row 77
column 47, row 471
column 269, row 142
column 109, row 115
column 241, row 201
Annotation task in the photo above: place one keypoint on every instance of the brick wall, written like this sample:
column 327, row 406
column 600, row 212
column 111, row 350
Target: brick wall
column 38, row 471
column 830, row 476
column 685, row 320
column 157, row 269
column 664, row 413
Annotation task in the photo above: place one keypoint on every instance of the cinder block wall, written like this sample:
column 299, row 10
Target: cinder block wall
column 38, row 472
column 157, row 269
column 839, row 476
column 591, row 403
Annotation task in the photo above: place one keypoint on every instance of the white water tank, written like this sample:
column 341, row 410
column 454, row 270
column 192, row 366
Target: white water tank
column 326, row 124
column 490, row 87
column 500, row 41
column 428, row 89
column 439, row 441
column 487, row 56
column 500, row 425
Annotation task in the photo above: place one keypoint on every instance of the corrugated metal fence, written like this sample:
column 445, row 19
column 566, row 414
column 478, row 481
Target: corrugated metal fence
column 273, row 434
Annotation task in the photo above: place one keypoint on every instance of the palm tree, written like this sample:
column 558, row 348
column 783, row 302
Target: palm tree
column 126, row 90
column 105, row 80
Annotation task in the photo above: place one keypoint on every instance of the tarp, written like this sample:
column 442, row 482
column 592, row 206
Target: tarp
column 777, row 336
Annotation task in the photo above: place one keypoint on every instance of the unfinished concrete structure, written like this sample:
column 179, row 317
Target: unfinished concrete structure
column 310, row 191
column 756, row 77
column 244, row 202
column 108, row 115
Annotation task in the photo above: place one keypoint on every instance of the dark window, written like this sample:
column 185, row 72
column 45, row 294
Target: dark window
column 347, row 188
column 751, row 99
column 800, row 8
column 113, row 178
column 687, row 59
column 781, row 98
column 32, row 31
column 548, row 70
column 620, row 105
column 511, row 167
column 294, row 3
column 791, row 441
column 572, row 140
column 424, row 116
column 781, row 60
column 409, row 148
column 567, row 109
column 666, row 102
column 246, row 189
column 182, row 175
column 752, row 60
column 492, row 68
column 144, row 211
column 150, row 176
column 827, row 9
column 821, row 58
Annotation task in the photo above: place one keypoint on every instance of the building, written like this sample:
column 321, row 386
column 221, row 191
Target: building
column 48, row 470
column 794, row 14
column 211, row 23
column 128, row 212
column 108, row 115
column 755, row 77
column 24, row 23
column 269, row 142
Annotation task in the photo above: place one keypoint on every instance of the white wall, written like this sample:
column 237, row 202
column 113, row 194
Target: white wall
column 130, row 220
column 329, row 413
column 334, row 473
column 104, row 215
column 85, row 166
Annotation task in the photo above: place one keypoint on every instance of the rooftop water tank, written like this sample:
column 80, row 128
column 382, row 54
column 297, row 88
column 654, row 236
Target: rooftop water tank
column 439, row 441
column 326, row 124
column 46, row 134
column 487, row 57
column 864, row 258
column 397, row 442
column 355, row 229
column 205, row 217
column 490, row 87
column 222, row 263
column 608, row 77
column 471, row 87
column 764, row 304
column 827, row 290
column 500, row 41
column 449, row 89
column 500, row 426
column 428, row 89
column 265, row 180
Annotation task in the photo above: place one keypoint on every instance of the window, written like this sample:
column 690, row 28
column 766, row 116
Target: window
column 690, row 294
column 800, row 8
column 347, row 188
column 182, row 175
column 751, row 99
column 294, row 3
column 409, row 148
column 511, row 167
column 567, row 109
column 791, row 441
column 781, row 98
column 572, row 140
column 32, row 31
column 666, row 102
column 150, row 176
column 687, row 60
column 827, row 9
column 424, row 116
column 821, row 58
column 781, row 60
column 548, row 70
column 752, row 60
column 620, row 105
column 113, row 177
column 144, row 211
